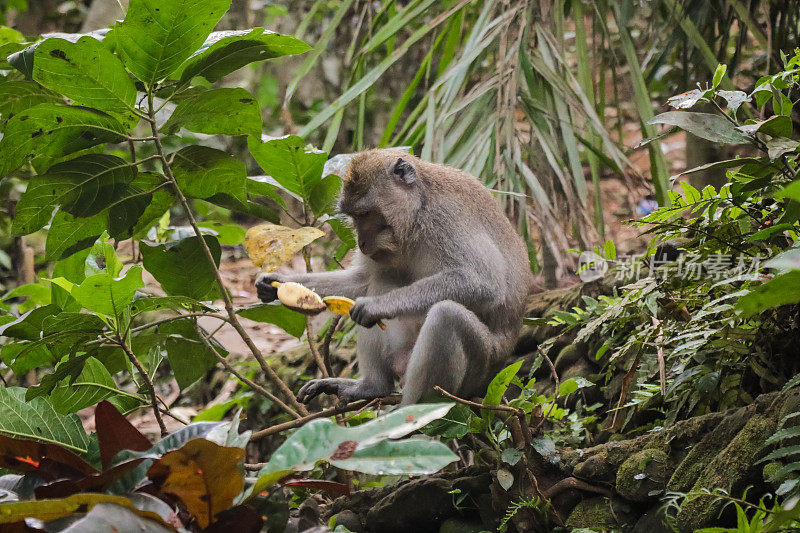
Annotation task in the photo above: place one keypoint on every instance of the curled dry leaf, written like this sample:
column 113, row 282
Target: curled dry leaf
column 270, row 245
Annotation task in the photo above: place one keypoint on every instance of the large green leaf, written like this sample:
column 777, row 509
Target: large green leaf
column 22, row 60
column 324, row 440
column 189, row 357
column 324, row 194
column 181, row 267
column 417, row 455
column 231, row 111
column 68, row 234
column 705, row 125
column 780, row 290
column 38, row 420
column 157, row 36
column 87, row 73
column 16, row 96
column 54, row 130
column 202, row 172
column 106, row 295
column 290, row 321
column 83, row 187
column 288, row 162
column 226, row 51
column 92, row 385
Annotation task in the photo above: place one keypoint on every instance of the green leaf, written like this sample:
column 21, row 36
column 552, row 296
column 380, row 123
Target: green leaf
column 228, row 234
column 323, row 196
column 87, row 73
column 92, row 385
column 22, row 60
column 160, row 303
column 291, row 322
column 571, row 385
column 104, row 294
column 288, row 162
column 38, row 420
column 102, row 258
column 68, row 234
column 159, row 202
column 705, row 125
column 790, row 191
column 202, row 172
column 157, row 36
column 775, row 126
column 719, row 73
column 410, row 456
column 499, row 384
column 321, row 440
column 83, row 187
column 54, row 130
column 226, row 51
column 188, row 356
column 223, row 111
column 181, row 267
column 453, row 425
column 734, row 99
column 780, row 290
column 16, row 96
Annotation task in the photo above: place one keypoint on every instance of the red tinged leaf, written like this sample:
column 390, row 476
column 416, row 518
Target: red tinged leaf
column 320, row 484
column 49, row 461
column 98, row 482
column 115, row 433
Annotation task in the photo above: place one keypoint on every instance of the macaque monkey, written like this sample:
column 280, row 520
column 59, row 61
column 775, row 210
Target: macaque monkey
column 439, row 263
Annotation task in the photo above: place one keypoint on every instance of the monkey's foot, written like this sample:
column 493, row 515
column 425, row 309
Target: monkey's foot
column 348, row 390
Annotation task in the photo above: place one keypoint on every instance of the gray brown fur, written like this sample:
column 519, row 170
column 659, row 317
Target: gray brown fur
column 439, row 263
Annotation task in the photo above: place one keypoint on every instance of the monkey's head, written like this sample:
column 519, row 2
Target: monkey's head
column 381, row 193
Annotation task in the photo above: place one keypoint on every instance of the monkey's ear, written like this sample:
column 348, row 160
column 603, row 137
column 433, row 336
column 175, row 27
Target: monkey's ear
column 404, row 171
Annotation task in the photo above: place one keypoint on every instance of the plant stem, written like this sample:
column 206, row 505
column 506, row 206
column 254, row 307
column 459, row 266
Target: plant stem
column 151, row 390
column 233, row 319
column 258, row 388
column 313, row 347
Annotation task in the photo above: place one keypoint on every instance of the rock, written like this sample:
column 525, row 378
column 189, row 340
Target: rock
column 651, row 522
column 728, row 470
column 643, row 476
column 459, row 525
column 598, row 513
column 350, row 520
column 309, row 515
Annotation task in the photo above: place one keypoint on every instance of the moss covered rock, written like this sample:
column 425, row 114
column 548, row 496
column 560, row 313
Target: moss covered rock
column 643, row 476
column 598, row 513
column 727, row 470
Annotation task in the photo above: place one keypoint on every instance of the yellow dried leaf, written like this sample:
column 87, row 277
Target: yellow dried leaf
column 270, row 245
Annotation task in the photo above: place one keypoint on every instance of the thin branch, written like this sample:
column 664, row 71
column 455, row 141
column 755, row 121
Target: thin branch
column 339, row 409
column 325, row 349
column 148, row 383
column 555, row 394
column 250, row 383
column 177, row 317
column 234, row 321
column 503, row 408
column 314, row 351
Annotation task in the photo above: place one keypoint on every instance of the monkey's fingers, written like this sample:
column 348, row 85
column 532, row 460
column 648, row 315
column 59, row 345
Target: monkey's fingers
column 314, row 388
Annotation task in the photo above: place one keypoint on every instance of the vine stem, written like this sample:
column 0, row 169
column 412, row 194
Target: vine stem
column 151, row 389
column 233, row 319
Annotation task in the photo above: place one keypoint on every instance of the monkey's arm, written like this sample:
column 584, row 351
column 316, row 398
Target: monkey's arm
column 465, row 287
column 351, row 283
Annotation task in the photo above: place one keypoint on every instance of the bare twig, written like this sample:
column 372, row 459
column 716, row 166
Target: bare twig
column 555, row 394
column 574, row 483
column 325, row 349
column 226, row 298
column 148, row 383
column 339, row 409
column 313, row 347
column 503, row 408
column 250, row 383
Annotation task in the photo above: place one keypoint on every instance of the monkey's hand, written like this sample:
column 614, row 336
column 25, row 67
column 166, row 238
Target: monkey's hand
column 367, row 311
column 266, row 292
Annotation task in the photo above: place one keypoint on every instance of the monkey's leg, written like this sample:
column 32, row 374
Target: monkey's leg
column 452, row 342
column 377, row 378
